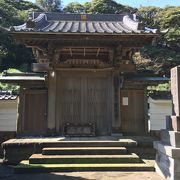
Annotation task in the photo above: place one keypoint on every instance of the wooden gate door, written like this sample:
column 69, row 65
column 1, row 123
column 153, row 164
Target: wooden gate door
column 133, row 112
column 84, row 104
column 34, row 115
column 97, row 104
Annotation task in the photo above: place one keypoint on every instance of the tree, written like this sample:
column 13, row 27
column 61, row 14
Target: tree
column 169, row 18
column 161, row 58
column 105, row 7
column 162, row 19
column 11, row 54
column 148, row 15
column 49, row 5
column 98, row 7
column 13, row 13
column 7, row 13
column 74, row 7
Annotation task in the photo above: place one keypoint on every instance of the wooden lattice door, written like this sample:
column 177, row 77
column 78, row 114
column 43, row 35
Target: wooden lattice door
column 84, row 105
column 96, row 103
column 34, row 107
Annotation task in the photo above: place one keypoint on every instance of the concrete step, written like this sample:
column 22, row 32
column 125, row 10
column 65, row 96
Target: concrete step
column 84, row 151
column 120, row 143
column 83, row 159
column 25, row 167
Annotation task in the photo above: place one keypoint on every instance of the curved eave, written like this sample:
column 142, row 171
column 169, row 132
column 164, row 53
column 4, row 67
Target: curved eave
column 132, row 38
column 87, row 34
column 84, row 36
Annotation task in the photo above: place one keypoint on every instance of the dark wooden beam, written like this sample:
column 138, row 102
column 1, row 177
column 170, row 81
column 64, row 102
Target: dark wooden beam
column 39, row 67
column 132, row 39
column 127, row 67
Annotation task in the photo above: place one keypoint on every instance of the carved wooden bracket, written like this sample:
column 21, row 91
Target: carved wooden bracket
column 126, row 53
column 123, row 55
column 55, row 58
column 47, row 53
column 40, row 56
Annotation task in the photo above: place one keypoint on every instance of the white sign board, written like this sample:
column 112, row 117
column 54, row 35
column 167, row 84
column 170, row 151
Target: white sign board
column 125, row 101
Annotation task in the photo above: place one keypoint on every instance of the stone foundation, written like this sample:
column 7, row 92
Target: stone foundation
column 16, row 150
column 4, row 136
column 168, row 149
column 168, row 155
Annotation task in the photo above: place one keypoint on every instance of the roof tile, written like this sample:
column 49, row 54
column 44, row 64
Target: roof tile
column 73, row 23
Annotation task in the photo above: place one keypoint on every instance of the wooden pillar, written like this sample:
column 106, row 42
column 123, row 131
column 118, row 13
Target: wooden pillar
column 145, row 111
column 116, row 122
column 20, row 112
column 51, row 122
column 53, row 56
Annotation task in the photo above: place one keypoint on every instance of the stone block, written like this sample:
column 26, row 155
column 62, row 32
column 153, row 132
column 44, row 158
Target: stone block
column 166, row 173
column 167, row 162
column 175, row 89
column 171, row 138
column 168, row 123
column 175, row 120
column 166, row 149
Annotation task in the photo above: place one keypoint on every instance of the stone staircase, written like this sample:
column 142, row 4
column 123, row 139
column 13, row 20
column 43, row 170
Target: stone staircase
column 84, row 156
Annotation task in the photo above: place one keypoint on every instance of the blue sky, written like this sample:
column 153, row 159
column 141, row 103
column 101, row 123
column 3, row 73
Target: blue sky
column 135, row 3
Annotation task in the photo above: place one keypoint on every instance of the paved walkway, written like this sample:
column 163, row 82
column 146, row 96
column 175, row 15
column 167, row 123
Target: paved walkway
column 6, row 173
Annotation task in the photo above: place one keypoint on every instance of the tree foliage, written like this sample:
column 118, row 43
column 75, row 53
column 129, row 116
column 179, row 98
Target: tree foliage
column 148, row 15
column 169, row 17
column 49, row 5
column 105, row 7
column 11, row 54
column 157, row 59
column 97, row 7
column 75, row 7
column 13, row 13
column 166, row 54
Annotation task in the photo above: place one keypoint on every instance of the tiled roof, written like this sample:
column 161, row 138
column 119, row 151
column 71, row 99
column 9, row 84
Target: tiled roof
column 139, row 78
column 4, row 95
column 148, row 81
column 161, row 95
column 82, row 23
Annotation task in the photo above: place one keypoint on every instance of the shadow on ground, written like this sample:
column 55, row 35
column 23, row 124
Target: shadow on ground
column 6, row 173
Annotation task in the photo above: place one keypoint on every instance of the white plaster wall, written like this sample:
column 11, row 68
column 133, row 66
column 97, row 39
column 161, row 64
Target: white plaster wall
column 158, row 110
column 8, row 115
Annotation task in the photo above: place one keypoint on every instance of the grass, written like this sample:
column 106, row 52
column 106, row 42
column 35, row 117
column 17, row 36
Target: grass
column 12, row 70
